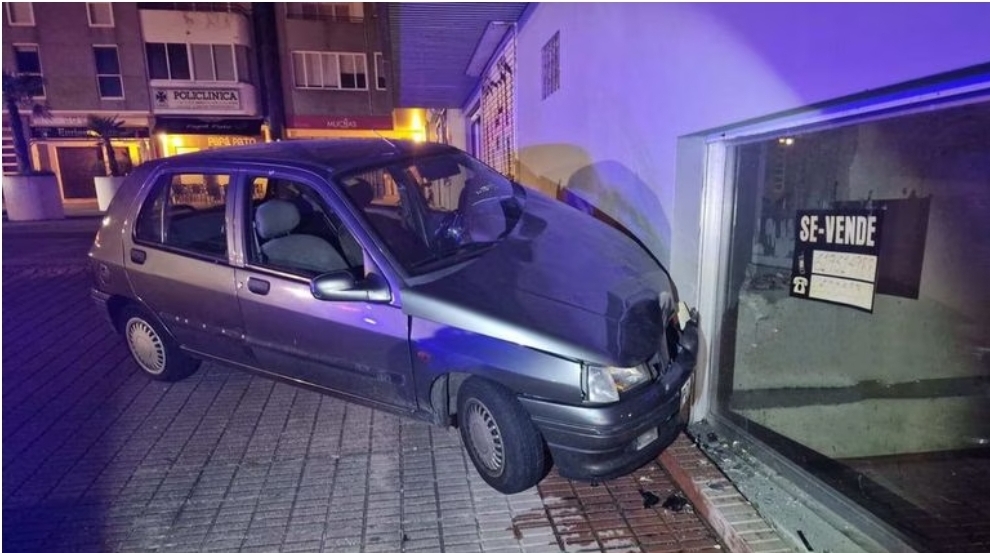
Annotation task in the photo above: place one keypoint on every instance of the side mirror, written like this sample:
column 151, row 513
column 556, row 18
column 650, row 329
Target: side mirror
column 342, row 286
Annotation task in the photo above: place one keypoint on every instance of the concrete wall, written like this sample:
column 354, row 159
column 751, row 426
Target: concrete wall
column 634, row 78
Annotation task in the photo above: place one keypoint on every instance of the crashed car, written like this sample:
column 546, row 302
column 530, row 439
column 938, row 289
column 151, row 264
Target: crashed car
column 410, row 278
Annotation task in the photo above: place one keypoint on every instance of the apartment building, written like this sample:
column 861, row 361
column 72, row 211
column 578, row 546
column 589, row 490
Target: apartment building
column 186, row 76
column 90, row 57
column 335, row 74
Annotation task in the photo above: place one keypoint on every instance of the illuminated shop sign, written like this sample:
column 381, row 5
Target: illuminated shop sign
column 197, row 98
column 836, row 254
column 342, row 122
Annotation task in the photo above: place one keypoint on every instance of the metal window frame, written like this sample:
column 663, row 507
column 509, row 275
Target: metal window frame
column 550, row 55
column 89, row 15
column 357, row 55
column 119, row 74
column 41, row 69
column 10, row 18
column 380, row 56
column 718, row 215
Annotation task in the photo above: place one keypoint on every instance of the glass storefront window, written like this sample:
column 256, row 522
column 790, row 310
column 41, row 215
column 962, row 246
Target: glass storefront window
column 856, row 332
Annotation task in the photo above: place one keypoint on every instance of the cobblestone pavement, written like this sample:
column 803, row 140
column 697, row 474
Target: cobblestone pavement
column 96, row 457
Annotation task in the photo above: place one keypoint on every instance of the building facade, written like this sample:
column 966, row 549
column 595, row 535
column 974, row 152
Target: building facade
column 335, row 74
column 189, row 76
column 202, row 75
column 90, row 57
column 815, row 177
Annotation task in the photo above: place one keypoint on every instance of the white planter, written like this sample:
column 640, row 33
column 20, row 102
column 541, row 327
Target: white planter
column 32, row 197
column 106, row 189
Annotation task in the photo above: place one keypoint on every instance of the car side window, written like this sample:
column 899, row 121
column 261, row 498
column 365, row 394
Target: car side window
column 291, row 229
column 186, row 211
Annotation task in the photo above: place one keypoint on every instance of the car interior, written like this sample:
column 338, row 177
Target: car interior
column 293, row 230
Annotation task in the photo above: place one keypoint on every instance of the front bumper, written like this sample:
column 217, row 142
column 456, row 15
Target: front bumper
column 600, row 443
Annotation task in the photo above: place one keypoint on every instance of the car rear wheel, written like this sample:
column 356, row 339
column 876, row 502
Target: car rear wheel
column 504, row 445
column 155, row 352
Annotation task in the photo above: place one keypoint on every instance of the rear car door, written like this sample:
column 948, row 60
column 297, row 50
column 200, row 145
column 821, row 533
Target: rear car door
column 291, row 234
column 177, row 260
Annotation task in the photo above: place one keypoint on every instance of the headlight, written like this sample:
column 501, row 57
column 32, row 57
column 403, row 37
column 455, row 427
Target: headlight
column 605, row 383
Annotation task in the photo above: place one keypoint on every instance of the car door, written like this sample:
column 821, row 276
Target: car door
column 290, row 235
column 177, row 261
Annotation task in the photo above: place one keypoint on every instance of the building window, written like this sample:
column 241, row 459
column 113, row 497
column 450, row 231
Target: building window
column 551, row 65
column 28, row 60
column 342, row 71
column 213, row 62
column 108, row 77
column 242, row 55
column 100, row 14
column 325, row 11
column 381, row 83
column 168, row 61
column 877, row 324
column 20, row 14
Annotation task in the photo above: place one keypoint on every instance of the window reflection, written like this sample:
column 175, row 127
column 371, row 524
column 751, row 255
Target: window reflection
column 889, row 406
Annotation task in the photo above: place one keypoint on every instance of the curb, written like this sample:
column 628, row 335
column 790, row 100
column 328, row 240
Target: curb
column 719, row 502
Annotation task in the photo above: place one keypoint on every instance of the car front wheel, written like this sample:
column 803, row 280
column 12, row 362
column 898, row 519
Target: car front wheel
column 504, row 445
column 153, row 349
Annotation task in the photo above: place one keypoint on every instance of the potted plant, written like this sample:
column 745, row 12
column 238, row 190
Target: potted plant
column 105, row 129
column 29, row 194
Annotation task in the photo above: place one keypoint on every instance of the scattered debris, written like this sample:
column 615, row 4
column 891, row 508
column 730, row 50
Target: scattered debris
column 645, row 479
column 717, row 485
column 649, row 499
column 675, row 502
column 804, row 540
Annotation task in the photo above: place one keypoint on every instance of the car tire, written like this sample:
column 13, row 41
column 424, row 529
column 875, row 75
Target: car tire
column 153, row 349
column 502, row 441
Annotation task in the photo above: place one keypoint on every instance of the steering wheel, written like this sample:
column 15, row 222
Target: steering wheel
column 450, row 231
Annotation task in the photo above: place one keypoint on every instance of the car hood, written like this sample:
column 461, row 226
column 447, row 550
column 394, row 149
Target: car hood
column 562, row 282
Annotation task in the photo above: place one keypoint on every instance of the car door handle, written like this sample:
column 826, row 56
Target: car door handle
column 258, row 286
column 138, row 256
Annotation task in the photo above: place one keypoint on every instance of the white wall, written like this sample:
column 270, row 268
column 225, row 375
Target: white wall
column 634, row 78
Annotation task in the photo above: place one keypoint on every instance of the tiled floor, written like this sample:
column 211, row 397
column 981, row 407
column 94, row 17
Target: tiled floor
column 96, row 457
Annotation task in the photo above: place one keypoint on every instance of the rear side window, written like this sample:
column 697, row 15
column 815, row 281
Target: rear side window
column 186, row 211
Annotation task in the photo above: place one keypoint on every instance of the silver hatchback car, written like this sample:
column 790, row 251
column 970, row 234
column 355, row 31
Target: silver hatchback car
column 410, row 278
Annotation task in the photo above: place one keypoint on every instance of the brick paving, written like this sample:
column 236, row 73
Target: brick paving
column 96, row 457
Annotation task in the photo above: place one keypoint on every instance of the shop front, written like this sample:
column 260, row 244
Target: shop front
column 402, row 124
column 63, row 144
column 183, row 135
column 853, row 313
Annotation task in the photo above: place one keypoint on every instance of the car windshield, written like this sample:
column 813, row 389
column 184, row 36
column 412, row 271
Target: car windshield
column 435, row 211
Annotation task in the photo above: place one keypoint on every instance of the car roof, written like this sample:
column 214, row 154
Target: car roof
column 335, row 155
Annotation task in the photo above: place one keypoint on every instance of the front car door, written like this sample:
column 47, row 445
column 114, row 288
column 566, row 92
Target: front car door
column 177, row 260
column 290, row 235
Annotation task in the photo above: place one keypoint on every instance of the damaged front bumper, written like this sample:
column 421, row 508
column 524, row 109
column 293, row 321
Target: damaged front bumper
column 600, row 443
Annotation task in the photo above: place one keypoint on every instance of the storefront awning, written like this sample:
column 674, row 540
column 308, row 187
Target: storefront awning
column 440, row 49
